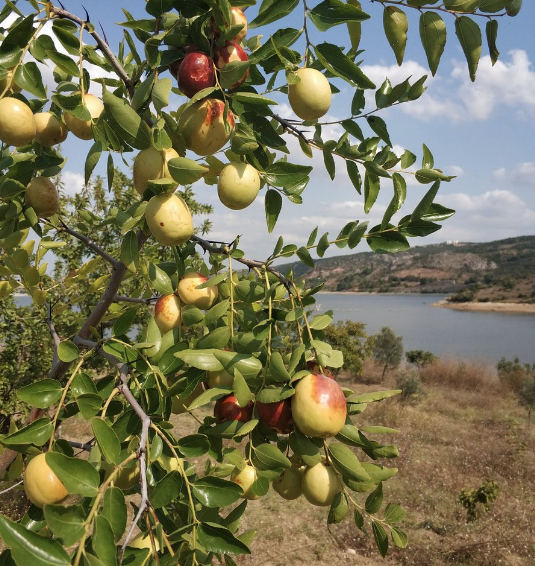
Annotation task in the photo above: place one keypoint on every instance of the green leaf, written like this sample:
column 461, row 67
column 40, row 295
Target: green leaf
column 305, row 447
column 469, row 36
column 28, row 547
column 160, row 93
column 92, row 159
column 277, row 368
column 130, row 251
column 395, row 24
column 373, row 396
column 194, row 445
column 346, row 463
column 103, row 541
column 28, row 77
column 64, row 62
column 433, row 36
column 41, row 394
column 216, row 492
column 36, row 433
column 107, row 440
column 323, row 245
column 335, row 60
column 354, row 175
column 269, row 457
column 125, row 122
column 159, row 280
column 78, row 476
column 378, row 125
column 114, row 509
column 304, row 255
column 67, row 351
column 333, row 13
column 426, row 202
column 372, row 186
column 123, row 324
column 330, row 165
column 374, row 501
column 399, row 538
column 339, row 508
column 66, row 522
column 321, row 321
column 381, row 539
column 394, row 513
column 282, row 174
column 271, row 11
column 426, row 176
column 166, row 490
column 273, row 206
column 462, row 5
column 491, row 31
column 186, row 171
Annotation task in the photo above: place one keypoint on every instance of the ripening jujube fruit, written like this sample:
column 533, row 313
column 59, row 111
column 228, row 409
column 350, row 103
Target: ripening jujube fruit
column 311, row 97
column 83, row 129
column 190, row 295
column 49, row 130
column 169, row 219
column 41, row 484
column 151, row 164
column 245, row 479
column 17, row 123
column 238, row 185
column 320, row 484
column 202, row 126
column 167, row 313
column 42, row 195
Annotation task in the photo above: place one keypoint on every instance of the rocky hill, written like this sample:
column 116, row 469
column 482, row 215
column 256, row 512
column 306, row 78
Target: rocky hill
column 503, row 270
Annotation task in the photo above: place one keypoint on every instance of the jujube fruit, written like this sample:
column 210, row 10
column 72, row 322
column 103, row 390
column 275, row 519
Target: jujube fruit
column 310, row 98
column 41, row 484
column 169, row 219
column 17, row 123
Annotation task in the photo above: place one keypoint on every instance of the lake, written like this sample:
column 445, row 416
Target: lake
column 485, row 336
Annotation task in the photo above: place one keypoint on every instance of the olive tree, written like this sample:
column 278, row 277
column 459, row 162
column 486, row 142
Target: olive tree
column 146, row 316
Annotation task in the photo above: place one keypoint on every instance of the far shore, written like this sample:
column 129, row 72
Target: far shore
column 528, row 308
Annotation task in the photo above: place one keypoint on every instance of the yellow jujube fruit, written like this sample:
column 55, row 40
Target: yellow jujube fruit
column 310, row 98
column 169, row 219
column 17, row 124
column 41, row 484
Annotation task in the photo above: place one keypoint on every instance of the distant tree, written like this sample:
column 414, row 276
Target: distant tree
column 350, row 337
column 420, row 358
column 387, row 349
column 526, row 396
column 513, row 374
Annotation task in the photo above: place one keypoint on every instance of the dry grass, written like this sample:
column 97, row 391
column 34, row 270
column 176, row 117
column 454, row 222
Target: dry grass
column 460, row 375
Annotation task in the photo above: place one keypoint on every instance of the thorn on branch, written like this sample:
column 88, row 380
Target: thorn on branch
column 290, row 126
column 87, row 18
column 103, row 33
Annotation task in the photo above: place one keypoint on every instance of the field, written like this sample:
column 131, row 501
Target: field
column 465, row 429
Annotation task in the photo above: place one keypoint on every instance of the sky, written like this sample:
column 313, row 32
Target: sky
column 481, row 132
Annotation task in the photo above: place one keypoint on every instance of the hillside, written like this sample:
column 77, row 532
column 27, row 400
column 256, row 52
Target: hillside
column 503, row 270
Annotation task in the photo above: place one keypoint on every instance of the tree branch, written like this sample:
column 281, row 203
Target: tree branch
column 53, row 333
column 115, row 263
column 250, row 263
column 103, row 45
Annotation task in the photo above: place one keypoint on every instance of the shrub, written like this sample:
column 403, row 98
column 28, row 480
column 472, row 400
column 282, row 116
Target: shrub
column 513, row 374
column 478, row 501
column 411, row 386
column 387, row 349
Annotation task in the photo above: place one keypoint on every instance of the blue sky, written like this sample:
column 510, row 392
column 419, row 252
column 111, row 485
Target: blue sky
column 482, row 132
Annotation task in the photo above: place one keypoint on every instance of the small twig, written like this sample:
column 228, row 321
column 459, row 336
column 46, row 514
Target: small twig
column 87, row 447
column 123, row 299
column 10, row 488
column 250, row 263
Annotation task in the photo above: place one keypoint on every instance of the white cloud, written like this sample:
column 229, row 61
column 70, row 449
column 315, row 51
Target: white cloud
column 522, row 175
column 73, row 182
column 509, row 83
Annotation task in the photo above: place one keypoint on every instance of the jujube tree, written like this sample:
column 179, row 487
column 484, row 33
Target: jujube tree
column 242, row 337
